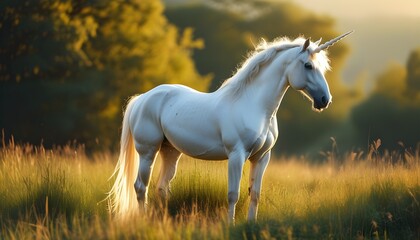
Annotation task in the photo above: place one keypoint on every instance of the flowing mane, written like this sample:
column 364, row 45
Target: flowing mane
column 263, row 54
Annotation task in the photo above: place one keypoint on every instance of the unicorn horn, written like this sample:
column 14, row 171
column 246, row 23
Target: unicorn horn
column 331, row 42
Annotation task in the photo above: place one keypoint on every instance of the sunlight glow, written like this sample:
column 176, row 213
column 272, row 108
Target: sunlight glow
column 360, row 8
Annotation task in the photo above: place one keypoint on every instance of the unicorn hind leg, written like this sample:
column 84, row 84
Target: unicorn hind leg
column 147, row 158
column 147, row 147
column 170, row 157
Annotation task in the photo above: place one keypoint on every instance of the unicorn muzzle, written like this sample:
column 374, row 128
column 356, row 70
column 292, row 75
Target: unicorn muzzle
column 322, row 102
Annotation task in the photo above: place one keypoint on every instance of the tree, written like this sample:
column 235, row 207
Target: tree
column 40, row 39
column 413, row 74
column 392, row 83
column 67, row 67
column 40, row 53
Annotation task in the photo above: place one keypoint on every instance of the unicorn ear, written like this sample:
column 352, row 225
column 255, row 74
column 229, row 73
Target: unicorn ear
column 318, row 42
column 306, row 45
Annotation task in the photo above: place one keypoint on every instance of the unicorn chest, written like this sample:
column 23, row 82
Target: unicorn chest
column 254, row 137
column 265, row 141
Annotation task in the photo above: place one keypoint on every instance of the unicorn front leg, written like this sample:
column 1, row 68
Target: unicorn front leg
column 235, row 165
column 257, row 170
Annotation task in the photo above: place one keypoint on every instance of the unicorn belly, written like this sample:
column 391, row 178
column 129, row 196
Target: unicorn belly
column 196, row 145
column 193, row 132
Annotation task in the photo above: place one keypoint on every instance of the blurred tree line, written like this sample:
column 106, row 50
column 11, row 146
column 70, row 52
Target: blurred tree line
column 392, row 111
column 68, row 66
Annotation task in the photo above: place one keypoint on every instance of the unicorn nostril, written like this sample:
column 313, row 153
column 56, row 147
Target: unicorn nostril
column 324, row 100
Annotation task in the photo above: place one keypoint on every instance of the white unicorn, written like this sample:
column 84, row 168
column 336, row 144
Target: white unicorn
column 236, row 122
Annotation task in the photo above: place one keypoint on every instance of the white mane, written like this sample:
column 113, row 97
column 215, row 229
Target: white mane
column 263, row 54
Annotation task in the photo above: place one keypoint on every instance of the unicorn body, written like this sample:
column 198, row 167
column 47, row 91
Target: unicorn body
column 236, row 122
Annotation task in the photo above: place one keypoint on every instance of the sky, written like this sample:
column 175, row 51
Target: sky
column 350, row 8
column 357, row 9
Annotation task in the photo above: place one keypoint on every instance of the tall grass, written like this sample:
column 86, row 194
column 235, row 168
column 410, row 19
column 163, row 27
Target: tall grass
column 59, row 194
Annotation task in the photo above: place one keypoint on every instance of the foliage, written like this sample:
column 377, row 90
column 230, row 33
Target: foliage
column 392, row 82
column 58, row 194
column 68, row 66
column 392, row 112
column 413, row 69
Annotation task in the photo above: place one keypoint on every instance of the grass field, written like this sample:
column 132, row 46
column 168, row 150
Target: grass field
column 59, row 194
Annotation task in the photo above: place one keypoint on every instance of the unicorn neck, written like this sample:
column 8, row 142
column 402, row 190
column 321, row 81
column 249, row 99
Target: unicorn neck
column 265, row 90
column 268, row 89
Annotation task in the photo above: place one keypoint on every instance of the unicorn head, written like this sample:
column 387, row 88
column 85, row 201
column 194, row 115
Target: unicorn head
column 306, row 72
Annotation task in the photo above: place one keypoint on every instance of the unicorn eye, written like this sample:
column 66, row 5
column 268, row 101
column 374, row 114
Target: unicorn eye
column 308, row 66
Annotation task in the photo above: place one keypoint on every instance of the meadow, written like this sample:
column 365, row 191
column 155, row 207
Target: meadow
column 60, row 193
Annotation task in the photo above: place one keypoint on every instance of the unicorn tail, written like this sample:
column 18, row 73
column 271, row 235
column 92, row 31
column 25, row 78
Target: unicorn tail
column 122, row 196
